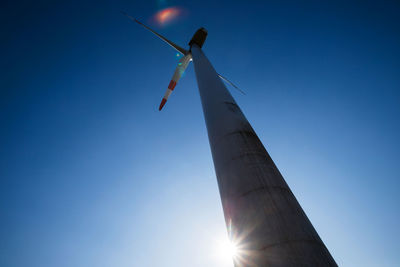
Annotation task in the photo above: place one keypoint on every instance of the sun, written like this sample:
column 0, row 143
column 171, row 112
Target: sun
column 227, row 250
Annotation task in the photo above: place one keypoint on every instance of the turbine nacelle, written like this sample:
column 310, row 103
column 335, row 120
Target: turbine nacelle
column 199, row 37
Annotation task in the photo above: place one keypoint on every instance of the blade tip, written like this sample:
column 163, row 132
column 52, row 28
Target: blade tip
column 162, row 104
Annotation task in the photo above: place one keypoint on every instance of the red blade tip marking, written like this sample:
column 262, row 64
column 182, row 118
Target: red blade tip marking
column 163, row 101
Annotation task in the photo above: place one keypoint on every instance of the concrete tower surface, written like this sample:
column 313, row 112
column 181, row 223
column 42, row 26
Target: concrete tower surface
column 263, row 216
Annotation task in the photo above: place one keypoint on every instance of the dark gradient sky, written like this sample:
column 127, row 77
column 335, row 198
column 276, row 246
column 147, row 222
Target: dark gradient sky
column 91, row 174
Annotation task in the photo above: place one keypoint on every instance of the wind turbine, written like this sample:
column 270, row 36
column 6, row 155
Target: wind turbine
column 264, row 220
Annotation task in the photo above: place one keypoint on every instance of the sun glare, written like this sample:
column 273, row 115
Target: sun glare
column 226, row 250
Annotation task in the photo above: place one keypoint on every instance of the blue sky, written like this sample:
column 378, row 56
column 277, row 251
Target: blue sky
column 92, row 174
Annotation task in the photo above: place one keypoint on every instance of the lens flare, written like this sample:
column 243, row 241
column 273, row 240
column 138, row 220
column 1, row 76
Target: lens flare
column 226, row 251
column 167, row 15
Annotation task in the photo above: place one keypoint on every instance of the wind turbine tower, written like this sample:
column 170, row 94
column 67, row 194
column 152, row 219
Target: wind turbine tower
column 263, row 218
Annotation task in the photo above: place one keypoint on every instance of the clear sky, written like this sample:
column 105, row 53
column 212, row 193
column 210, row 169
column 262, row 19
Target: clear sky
column 92, row 174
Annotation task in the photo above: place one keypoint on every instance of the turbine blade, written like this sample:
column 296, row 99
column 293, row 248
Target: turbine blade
column 231, row 83
column 180, row 69
column 163, row 101
column 172, row 44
